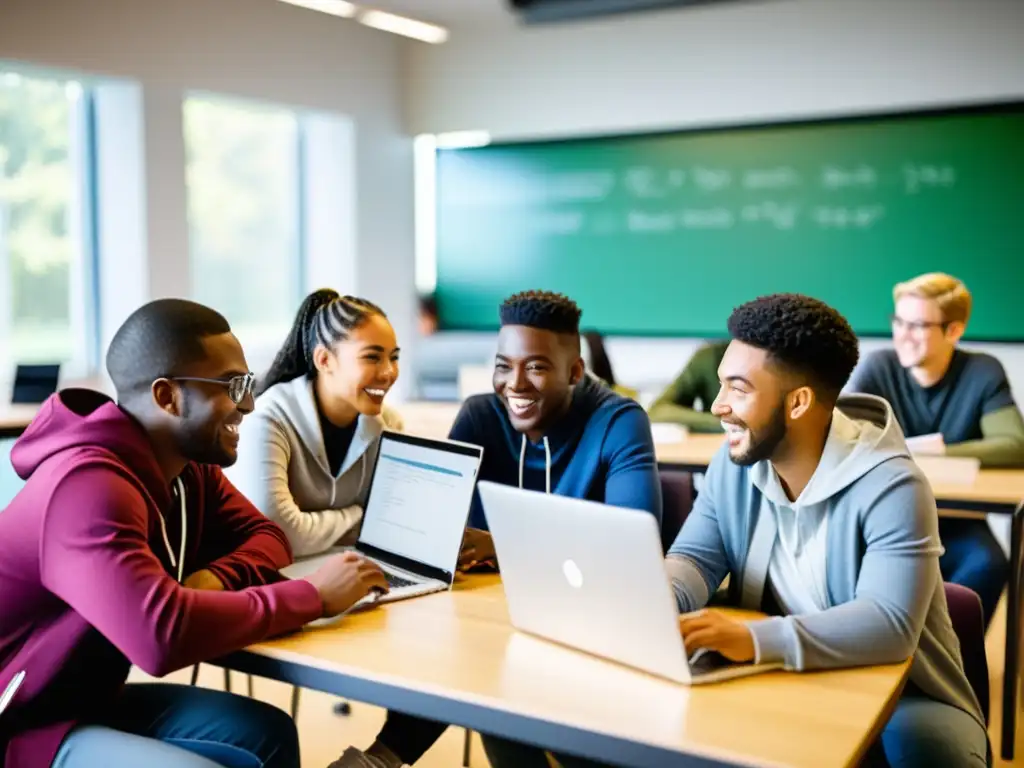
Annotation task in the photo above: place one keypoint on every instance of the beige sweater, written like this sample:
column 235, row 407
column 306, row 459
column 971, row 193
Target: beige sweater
column 282, row 467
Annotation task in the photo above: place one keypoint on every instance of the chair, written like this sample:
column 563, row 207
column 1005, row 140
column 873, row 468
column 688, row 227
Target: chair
column 677, row 494
column 969, row 624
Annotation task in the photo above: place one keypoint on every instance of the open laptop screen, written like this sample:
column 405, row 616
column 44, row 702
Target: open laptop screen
column 419, row 501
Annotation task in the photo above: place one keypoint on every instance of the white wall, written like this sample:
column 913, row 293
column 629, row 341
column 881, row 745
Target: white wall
column 257, row 49
column 730, row 63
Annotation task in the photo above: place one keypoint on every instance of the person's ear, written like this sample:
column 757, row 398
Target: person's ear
column 799, row 402
column 322, row 358
column 167, row 396
column 955, row 331
column 577, row 372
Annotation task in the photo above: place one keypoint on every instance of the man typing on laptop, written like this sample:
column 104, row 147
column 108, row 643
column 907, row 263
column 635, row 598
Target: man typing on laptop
column 816, row 510
column 548, row 426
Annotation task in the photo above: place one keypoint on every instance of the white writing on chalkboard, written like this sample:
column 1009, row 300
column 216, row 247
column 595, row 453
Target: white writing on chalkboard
column 711, row 180
column 848, row 218
column 781, row 216
column 707, row 218
column 835, row 177
column 778, row 215
column 920, row 177
column 770, row 178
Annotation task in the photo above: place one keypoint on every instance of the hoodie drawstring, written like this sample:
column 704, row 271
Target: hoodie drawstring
column 547, row 463
column 179, row 563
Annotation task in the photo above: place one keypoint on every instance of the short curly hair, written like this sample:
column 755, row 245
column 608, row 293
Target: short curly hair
column 804, row 334
column 542, row 309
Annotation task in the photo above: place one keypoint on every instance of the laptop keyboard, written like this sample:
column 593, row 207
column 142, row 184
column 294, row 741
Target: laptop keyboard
column 704, row 661
column 397, row 581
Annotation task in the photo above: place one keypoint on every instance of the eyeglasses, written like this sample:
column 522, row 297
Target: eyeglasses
column 915, row 326
column 239, row 387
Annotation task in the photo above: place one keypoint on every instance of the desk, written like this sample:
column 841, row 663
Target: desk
column 14, row 419
column 454, row 657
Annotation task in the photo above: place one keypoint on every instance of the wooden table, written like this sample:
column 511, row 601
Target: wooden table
column 14, row 419
column 454, row 657
column 998, row 492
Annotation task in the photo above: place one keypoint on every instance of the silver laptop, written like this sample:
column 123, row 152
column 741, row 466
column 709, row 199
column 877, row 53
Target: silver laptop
column 592, row 577
column 415, row 514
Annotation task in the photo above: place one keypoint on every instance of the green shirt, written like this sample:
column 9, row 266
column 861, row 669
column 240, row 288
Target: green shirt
column 699, row 380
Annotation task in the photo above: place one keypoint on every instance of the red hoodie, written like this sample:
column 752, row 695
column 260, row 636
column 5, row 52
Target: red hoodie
column 86, row 583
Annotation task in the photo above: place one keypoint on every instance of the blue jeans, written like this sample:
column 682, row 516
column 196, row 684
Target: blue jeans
column 165, row 726
column 973, row 558
column 921, row 733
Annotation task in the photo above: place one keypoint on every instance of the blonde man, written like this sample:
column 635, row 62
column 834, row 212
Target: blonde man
column 936, row 388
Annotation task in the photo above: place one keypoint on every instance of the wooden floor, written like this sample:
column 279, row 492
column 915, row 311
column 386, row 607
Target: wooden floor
column 324, row 735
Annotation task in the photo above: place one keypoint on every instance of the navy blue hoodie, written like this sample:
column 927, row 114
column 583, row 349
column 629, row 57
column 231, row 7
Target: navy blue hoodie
column 601, row 450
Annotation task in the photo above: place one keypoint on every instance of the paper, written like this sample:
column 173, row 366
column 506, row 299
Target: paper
column 664, row 434
column 927, row 445
column 949, row 470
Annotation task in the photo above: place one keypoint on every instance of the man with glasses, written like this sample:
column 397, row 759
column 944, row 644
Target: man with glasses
column 963, row 398
column 127, row 546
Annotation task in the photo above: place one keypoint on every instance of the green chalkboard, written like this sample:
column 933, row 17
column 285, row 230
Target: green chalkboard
column 665, row 234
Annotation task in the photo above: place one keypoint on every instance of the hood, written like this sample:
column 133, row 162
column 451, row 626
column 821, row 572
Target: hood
column 561, row 440
column 76, row 420
column 295, row 402
column 864, row 433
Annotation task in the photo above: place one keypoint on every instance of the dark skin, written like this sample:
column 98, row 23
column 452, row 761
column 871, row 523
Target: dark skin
column 196, row 421
column 756, row 393
column 535, row 372
column 181, row 423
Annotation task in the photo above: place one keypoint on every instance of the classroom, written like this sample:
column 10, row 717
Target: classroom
column 641, row 264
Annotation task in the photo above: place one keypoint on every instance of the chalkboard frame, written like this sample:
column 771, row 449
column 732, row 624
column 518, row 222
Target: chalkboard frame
column 999, row 107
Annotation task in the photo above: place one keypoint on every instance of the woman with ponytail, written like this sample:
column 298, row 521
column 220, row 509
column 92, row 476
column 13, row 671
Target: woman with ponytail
column 306, row 453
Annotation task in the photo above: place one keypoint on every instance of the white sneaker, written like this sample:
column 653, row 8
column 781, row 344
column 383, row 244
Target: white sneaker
column 356, row 758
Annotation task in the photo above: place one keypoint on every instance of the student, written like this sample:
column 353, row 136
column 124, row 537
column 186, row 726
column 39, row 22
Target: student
column 821, row 516
column 934, row 387
column 307, row 452
column 547, row 427
column 698, row 381
column 126, row 546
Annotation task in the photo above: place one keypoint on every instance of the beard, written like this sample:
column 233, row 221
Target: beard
column 763, row 442
column 201, row 440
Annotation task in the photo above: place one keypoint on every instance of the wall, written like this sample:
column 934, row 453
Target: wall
column 257, row 49
column 718, row 64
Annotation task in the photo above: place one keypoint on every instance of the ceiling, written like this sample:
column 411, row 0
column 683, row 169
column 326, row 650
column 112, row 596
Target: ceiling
column 449, row 13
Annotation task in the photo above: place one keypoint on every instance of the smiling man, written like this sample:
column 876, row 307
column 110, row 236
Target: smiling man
column 936, row 388
column 127, row 546
column 817, row 511
column 547, row 427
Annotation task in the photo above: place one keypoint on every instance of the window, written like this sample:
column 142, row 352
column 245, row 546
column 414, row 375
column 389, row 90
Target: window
column 45, row 256
column 244, row 214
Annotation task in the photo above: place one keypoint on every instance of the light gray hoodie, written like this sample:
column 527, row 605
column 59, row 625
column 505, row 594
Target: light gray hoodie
column 282, row 467
column 883, row 595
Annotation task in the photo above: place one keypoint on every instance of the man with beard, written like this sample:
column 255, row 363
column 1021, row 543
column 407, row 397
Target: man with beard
column 127, row 546
column 817, row 512
column 936, row 388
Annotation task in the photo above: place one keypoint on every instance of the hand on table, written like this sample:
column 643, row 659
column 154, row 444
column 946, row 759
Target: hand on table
column 477, row 548
column 204, row 580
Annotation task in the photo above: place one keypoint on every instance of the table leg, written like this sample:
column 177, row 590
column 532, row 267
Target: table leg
column 1012, row 651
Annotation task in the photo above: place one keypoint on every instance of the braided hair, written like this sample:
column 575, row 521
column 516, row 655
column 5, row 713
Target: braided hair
column 324, row 318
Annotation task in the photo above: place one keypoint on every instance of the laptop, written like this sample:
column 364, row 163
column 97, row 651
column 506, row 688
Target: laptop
column 34, row 383
column 592, row 577
column 415, row 515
